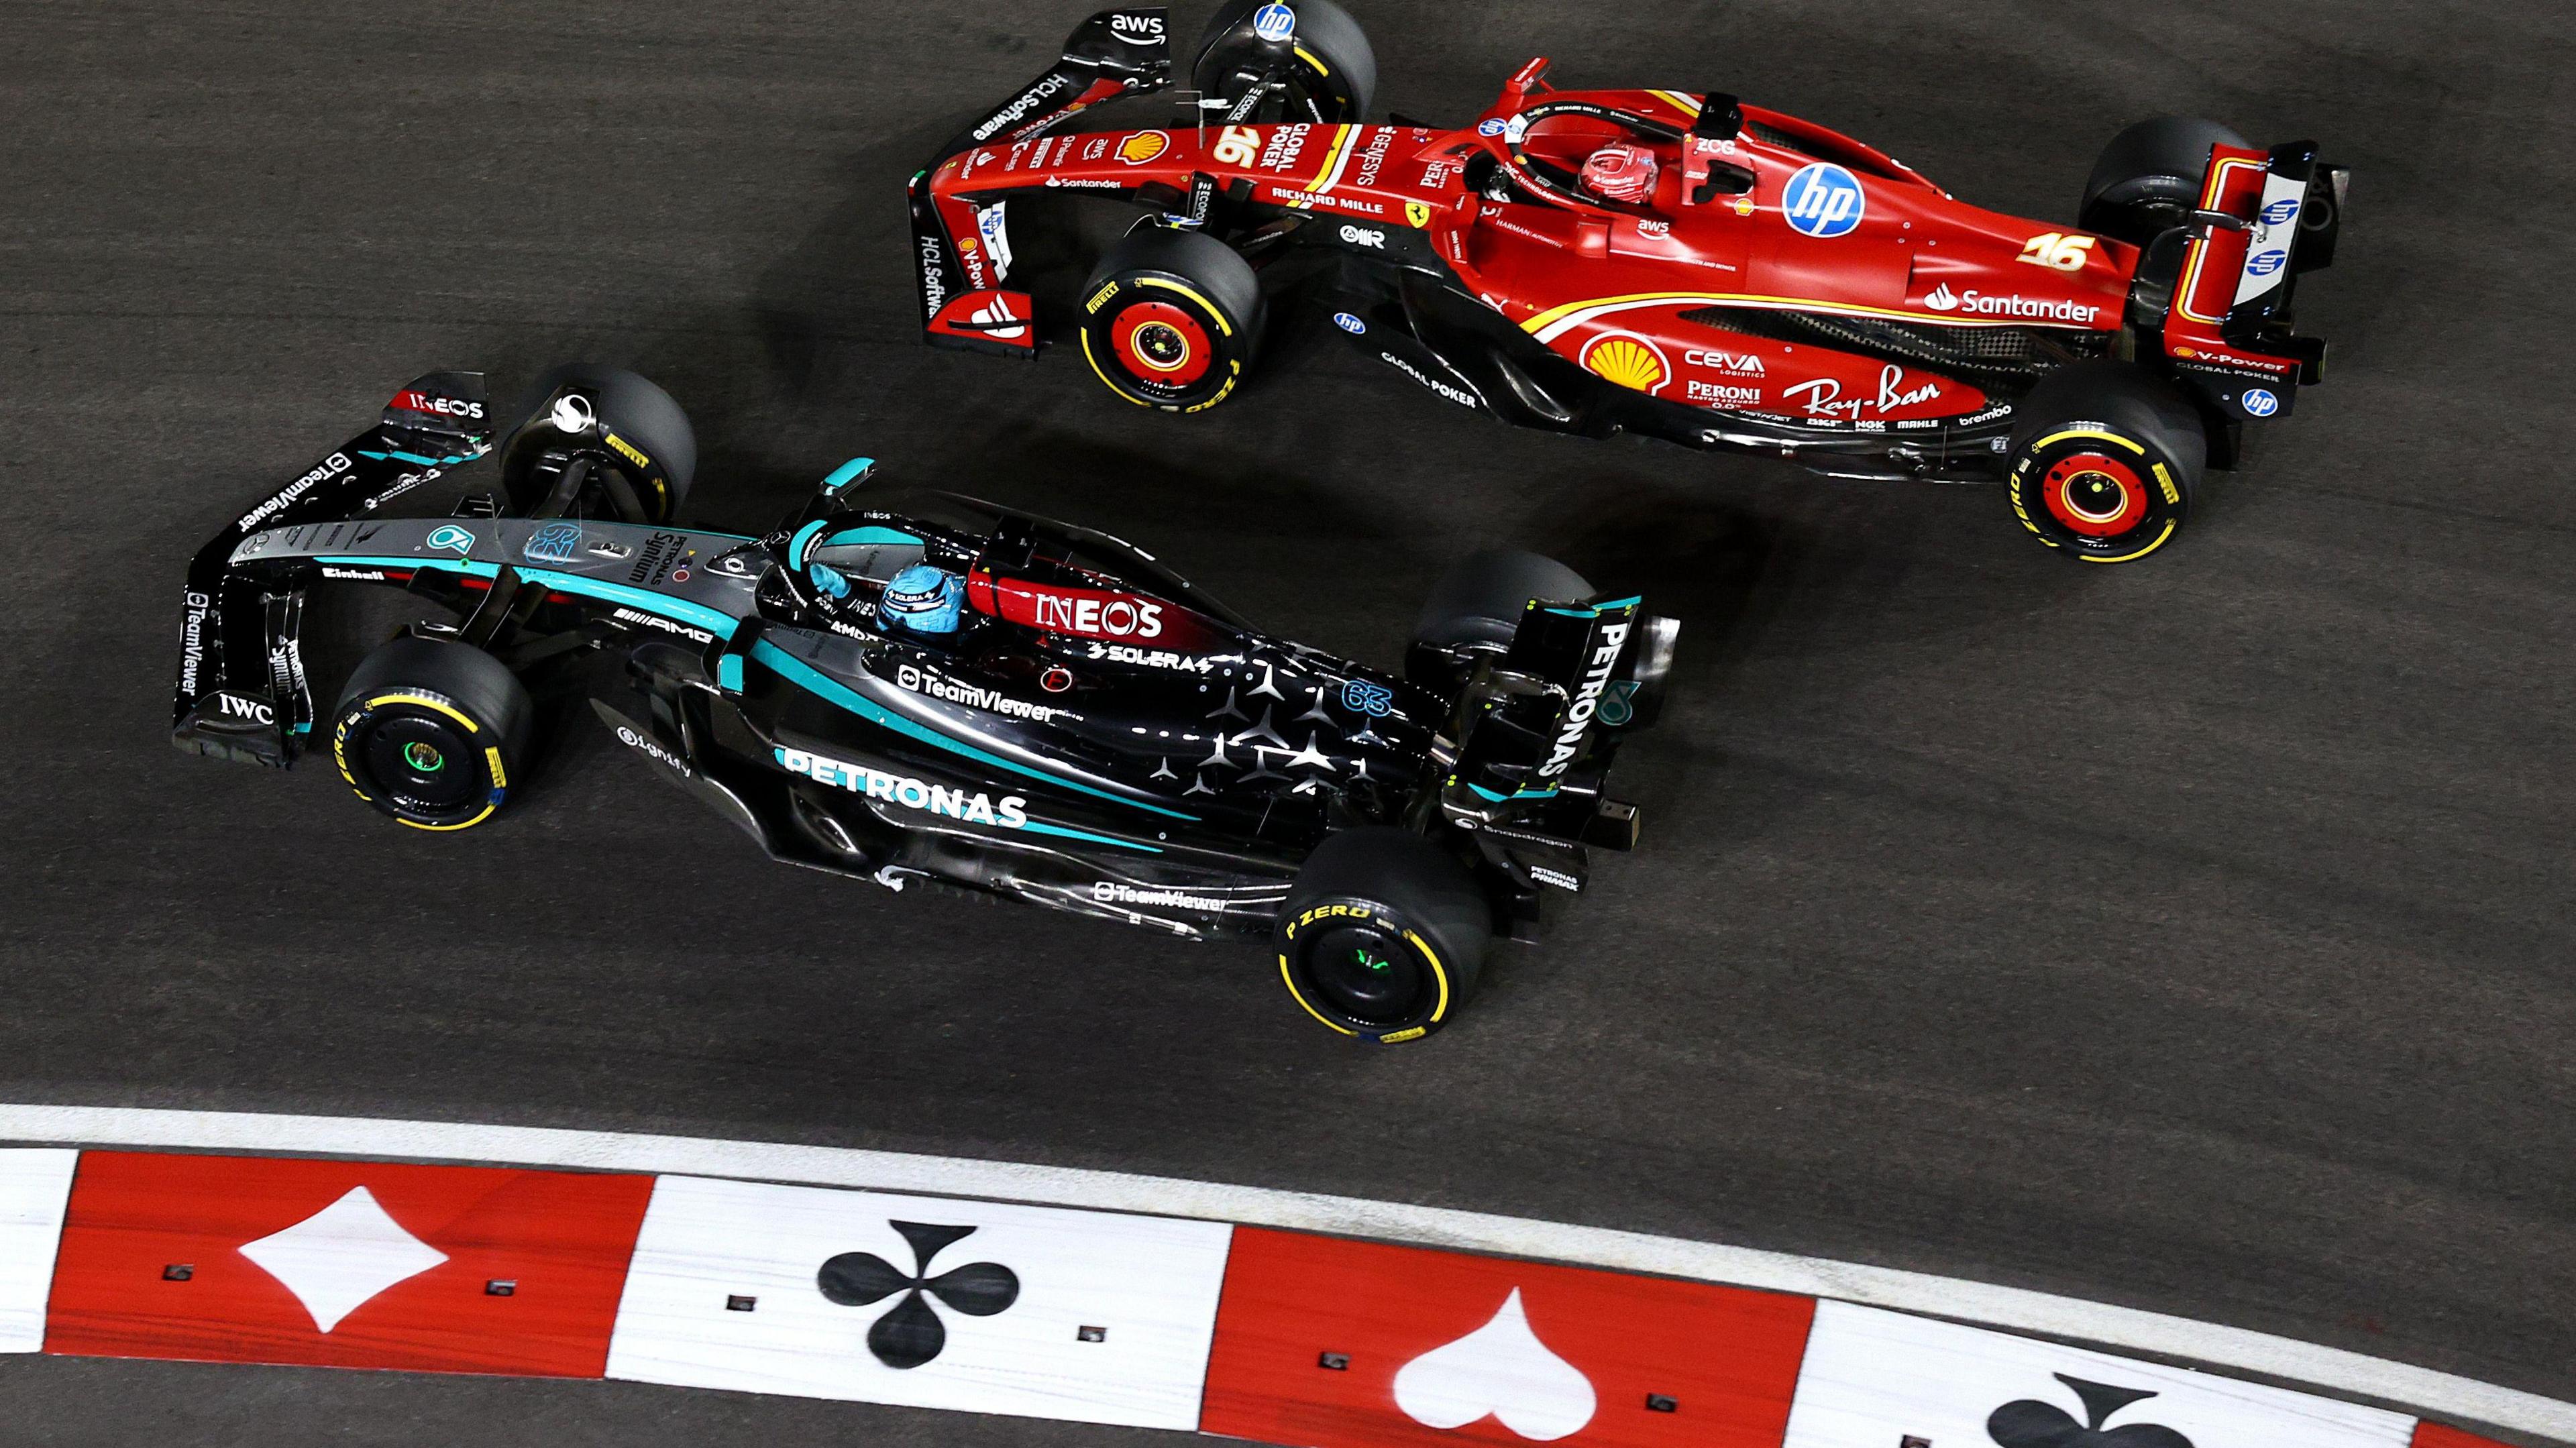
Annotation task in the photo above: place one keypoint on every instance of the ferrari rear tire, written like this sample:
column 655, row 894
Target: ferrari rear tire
column 1332, row 76
column 644, row 450
column 2147, row 180
column 1476, row 607
column 433, row 732
column 1383, row 935
column 2105, row 461
column 1171, row 318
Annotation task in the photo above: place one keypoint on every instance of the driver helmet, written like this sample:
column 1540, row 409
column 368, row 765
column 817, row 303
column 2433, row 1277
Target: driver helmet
column 924, row 599
column 1621, row 171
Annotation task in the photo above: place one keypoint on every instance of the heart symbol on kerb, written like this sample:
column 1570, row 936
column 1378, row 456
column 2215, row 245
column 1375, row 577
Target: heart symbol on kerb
column 1500, row 1369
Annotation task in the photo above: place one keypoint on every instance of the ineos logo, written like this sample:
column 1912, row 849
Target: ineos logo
column 572, row 413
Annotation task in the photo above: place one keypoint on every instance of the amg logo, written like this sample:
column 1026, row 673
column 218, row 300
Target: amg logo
column 646, row 620
column 991, row 701
column 1578, row 715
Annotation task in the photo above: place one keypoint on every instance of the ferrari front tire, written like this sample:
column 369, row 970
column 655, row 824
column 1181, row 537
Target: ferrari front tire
column 1383, row 935
column 433, row 733
column 2105, row 461
column 1170, row 319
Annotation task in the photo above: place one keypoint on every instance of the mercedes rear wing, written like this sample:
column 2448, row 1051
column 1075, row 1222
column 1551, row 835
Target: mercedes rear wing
column 1529, row 745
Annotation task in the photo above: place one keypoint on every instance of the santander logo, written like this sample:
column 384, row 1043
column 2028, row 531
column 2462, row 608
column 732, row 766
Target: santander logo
column 1942, row 299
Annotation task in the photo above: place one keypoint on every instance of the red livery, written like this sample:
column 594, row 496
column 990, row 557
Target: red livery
column 1669, row 262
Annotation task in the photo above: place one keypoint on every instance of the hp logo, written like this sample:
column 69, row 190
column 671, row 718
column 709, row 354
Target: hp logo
column 1823, row 200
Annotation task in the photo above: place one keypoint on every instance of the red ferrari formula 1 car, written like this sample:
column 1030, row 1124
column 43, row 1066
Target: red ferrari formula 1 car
column 1658, row 261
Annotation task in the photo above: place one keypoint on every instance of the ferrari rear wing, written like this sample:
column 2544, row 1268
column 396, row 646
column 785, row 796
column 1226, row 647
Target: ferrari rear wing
column 2264, row 218
column 1114, row 53
column 241, row 692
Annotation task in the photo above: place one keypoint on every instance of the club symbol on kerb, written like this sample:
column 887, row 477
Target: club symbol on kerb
column 912, row 1334
column 2030, row 1423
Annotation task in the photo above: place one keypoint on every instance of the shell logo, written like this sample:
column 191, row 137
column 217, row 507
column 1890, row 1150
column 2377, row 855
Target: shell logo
column 1142, row 147
column 1631, row 361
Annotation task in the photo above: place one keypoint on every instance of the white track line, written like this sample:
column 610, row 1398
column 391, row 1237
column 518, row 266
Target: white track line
column 2439, row 1395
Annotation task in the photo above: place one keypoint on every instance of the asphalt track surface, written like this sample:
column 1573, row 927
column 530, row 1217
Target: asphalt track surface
column 2193, row 935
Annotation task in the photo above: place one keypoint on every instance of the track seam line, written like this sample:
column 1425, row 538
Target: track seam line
column 2446, row 1396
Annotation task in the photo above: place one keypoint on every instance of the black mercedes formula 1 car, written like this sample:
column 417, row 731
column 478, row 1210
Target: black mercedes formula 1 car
column 949, row 692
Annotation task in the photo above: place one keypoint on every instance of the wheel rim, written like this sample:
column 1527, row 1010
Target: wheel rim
column 2095, row 495
column 422, row 766
column 1161, row 345
column 1366, row 974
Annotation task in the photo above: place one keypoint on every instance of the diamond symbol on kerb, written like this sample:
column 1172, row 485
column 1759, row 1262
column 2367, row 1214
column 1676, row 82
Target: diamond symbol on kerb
column 337, row 1260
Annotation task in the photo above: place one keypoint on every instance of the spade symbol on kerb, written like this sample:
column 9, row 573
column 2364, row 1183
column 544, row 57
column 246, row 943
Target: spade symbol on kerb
column 912, row 1333
column 2030, row 1423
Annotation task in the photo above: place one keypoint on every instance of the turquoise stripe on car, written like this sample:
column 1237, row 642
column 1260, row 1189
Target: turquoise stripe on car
column 802, row 544
column 813, row 680
column 839, row 477
column 867, row 535
column 443, row 565
column 714, row 621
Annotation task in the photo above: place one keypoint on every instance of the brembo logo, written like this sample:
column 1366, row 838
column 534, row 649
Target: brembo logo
column 1587, row 699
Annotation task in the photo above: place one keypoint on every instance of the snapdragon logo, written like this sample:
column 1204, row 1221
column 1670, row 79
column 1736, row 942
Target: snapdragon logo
column 977, row 808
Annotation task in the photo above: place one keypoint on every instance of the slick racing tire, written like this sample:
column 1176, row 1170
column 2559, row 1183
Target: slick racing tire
column 2148, row 178
column 1171, row 319
column 2105, row 461
column 1383, row 935
column 1476, row 608
column 642, row 451
column 432, row 732
column 1332, row 72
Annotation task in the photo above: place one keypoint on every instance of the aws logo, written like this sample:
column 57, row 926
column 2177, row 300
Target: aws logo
column 1628, row 360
